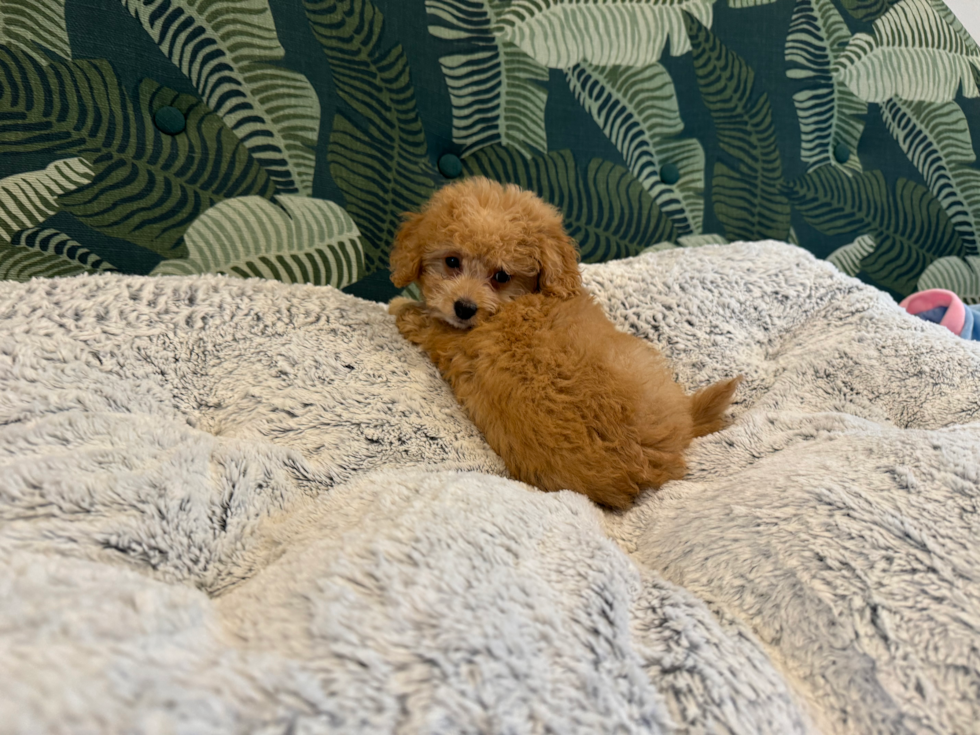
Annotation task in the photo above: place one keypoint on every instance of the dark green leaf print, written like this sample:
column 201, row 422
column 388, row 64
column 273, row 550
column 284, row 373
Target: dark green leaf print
column 747, row 191
column 380, row 162
column 910, row 228
column 65, row 249
column 226, row 49
column 829, row 113
column 495, row 87
column 42, row 252
column 936, row 138
column 147, row 187
column 867, row 10
column 607, row 211
column 636, row 107
column 35, row 26
column 23, row 264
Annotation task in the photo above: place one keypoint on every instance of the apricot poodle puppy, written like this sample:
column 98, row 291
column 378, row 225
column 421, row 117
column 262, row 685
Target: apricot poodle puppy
column 567, row 400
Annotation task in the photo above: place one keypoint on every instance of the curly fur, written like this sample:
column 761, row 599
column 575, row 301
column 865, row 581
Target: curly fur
column 567, row 400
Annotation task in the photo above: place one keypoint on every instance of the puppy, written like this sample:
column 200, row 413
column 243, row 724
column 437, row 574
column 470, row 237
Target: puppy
column 567, row 400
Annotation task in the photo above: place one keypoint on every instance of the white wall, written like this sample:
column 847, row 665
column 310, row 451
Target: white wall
column 968, row 11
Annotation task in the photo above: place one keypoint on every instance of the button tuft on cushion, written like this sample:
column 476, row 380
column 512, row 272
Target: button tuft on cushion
column 450, row 166
column 169, row 120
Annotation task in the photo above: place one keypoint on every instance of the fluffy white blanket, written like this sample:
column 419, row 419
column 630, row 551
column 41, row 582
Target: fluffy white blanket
column 241, row 506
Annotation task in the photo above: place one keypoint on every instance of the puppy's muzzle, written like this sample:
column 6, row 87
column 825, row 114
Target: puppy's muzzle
column 464, row 309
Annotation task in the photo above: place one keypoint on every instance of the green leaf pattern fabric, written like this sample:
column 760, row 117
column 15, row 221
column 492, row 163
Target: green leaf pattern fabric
column 35, row 26
column 746, row 188
column 830, row 114
column 306, row 240
column 48, row 251
column 28, row 199
column 959, row 275
column 748, row 3
column 835, row 202
column 560, row 33
column 496, row 89
column 308, row 127
column 378, row 158
column 848, row 258
column 225, row 48
column 606, row 210
column 636, row 107
column 914, row 54
column 936, row 138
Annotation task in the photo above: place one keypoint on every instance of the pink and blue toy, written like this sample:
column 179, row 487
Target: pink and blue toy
column 946, row 308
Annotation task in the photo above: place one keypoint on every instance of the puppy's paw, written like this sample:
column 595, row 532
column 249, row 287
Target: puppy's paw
column 410, row 318
column 399, row 305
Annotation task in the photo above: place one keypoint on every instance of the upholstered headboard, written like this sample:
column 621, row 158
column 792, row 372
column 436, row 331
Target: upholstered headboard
column 284, row 138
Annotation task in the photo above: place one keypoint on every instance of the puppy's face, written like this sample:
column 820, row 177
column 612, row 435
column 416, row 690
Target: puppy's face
column 477, row 245
column 465, row 288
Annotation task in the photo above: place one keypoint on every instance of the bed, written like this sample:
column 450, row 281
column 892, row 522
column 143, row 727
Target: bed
column 242, row 506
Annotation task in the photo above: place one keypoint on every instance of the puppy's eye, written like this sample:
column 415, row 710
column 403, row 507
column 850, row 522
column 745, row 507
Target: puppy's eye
column 501, row 277
column 452, row 262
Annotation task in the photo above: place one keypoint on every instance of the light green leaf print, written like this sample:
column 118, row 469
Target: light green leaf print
column 959, row 275
column 27, row 199
column 636, row 107
column 561, row 33
column 658, row 248
column 914, row 54
column 848, row 258
column 698, row 241
column 304, row 240
column 830, row 114
column 495, row 87
column 228, row 49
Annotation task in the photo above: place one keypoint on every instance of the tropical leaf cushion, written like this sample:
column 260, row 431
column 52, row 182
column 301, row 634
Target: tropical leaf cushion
column 284, row 139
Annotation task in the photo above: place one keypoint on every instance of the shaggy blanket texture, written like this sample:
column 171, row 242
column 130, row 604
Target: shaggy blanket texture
column 241, row 506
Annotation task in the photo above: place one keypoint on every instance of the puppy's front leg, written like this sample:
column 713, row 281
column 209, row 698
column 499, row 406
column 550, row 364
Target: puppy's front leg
column 437, row 338
column 411, row 318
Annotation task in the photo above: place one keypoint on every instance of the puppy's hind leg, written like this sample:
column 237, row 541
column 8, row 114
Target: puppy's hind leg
column 709, row 404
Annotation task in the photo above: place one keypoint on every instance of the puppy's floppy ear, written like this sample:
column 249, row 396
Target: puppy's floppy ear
column 559, row 275
column 406, row 252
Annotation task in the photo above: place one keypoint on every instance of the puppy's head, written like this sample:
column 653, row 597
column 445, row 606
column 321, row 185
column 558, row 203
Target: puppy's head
column 478, row 244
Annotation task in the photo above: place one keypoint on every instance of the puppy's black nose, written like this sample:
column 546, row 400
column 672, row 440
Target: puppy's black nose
column 464, row 309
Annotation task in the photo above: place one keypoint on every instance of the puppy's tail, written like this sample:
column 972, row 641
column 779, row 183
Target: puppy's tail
column 709, row 404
